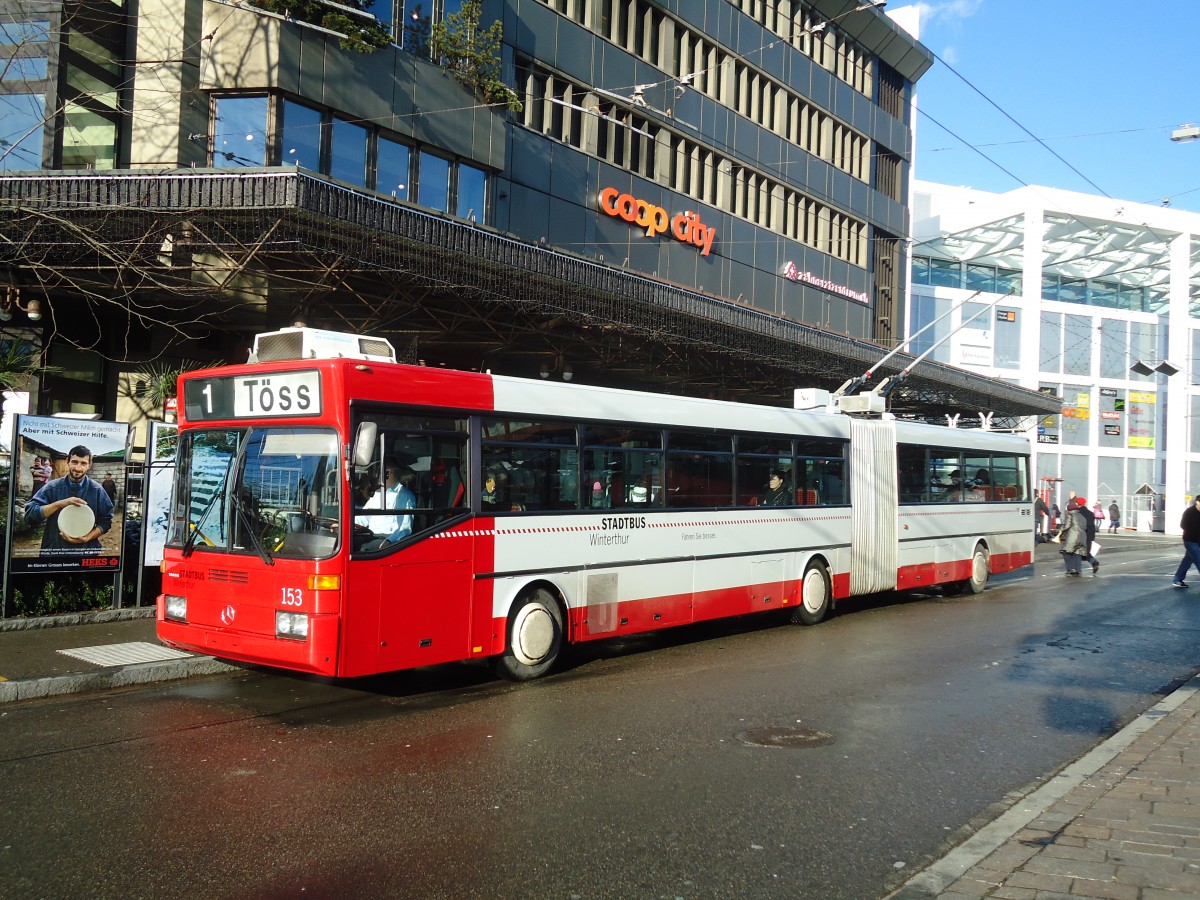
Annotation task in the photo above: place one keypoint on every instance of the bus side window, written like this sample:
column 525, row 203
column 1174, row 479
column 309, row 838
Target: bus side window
column 913, row 474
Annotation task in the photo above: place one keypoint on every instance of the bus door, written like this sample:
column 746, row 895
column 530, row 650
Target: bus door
column 874, row 550
column 408, row 555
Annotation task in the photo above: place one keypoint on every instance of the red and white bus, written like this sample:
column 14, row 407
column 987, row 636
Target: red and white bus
column 538, row 514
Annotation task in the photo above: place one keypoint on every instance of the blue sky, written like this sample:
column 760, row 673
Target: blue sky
column 1102, row 84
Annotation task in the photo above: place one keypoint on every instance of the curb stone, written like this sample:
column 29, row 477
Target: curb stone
column 142, row 673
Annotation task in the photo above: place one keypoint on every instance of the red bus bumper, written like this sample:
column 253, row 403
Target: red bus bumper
column 317, row 655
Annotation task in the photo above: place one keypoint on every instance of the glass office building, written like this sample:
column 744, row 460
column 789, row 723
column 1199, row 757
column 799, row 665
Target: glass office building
column 1084, row 298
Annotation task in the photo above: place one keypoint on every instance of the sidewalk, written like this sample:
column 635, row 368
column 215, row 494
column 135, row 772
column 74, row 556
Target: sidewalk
column 1122, row 823
column 89, row 652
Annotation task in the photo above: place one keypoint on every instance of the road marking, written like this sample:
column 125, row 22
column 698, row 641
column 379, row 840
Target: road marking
column 125, row 654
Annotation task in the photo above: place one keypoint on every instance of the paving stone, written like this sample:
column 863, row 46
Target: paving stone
column 1080, row 828
column 1015, row 893
column 1091, row 854
column 1151, row 849
column 1104, row 889
column 1040, row 881
column 1073, row 868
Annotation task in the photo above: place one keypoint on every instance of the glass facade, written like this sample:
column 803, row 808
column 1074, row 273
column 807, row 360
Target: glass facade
column 242, row 131
column 1126, row 285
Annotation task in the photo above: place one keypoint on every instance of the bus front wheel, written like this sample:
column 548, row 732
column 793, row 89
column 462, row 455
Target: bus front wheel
column 816, row 591
column 535, row 637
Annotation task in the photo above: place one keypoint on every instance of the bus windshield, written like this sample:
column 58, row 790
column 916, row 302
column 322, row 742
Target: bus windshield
column 273, row 492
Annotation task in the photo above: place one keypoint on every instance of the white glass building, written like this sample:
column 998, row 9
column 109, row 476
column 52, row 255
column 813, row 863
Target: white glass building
column 1094, row 300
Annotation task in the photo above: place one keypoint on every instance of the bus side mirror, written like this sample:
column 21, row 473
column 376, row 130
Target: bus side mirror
column 364, row 443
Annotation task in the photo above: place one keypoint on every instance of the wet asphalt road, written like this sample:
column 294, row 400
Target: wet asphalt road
column 630, row 774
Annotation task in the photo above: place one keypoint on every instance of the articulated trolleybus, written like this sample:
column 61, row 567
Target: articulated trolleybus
column 338, row 513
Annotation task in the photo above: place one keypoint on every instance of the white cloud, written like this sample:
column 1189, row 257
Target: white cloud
column 947, row 10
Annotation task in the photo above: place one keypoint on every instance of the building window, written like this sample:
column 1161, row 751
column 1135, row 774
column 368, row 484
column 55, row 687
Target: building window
column 93, row 60
column 1008, row 281
column 1050, row 359
column 348, row 152
column 1008, row 342
column 239, row 132
column 472, row 184
column 1077, row 345
column 1194, row 357
column 392, row 174
column 945, row 273
column 433, row 182
column 301, row 136
column 23, row 68
column 22, row 124
column 1114, row 349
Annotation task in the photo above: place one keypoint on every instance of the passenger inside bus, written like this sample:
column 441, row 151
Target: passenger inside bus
column 489, row 496
column 640, row 491
column 778, row 493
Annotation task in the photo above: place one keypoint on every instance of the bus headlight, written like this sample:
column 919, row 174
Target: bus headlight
column 175, row 608
column 291, row 625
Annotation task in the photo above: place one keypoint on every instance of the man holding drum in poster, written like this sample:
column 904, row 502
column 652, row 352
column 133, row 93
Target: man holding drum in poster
column 75, row 508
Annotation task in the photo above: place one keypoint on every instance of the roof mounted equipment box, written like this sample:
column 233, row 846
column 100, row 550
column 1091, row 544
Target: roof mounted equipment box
column 313, row 343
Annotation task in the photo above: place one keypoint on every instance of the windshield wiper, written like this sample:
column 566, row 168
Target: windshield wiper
column 263, row 553
column 189, row 543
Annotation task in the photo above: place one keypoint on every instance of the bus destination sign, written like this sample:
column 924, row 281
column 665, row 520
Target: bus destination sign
column 253, row 396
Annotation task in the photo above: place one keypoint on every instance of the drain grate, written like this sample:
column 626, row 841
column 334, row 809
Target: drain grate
column 783, row 736
column 125, row 654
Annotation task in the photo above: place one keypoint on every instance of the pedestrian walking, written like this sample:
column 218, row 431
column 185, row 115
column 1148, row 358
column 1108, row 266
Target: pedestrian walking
column 1089, row 520
column 1190, row 524
column 1055, row 518
column 1041, row 523
column 1074, row 538
column 1114, row 517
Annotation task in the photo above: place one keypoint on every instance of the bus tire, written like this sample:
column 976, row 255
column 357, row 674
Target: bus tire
column 980, row 572
column 816, row 593
column 535, row 637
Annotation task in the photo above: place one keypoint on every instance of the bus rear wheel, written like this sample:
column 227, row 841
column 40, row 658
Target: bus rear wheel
column 816, row 592
column 535, row 637
column 980, row 572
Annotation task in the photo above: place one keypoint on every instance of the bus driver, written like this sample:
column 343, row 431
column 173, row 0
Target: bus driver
column 396, row 494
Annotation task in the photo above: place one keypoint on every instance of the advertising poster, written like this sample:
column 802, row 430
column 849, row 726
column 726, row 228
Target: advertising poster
column 164, row 441
column 67, row 512
column 1142, row 420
